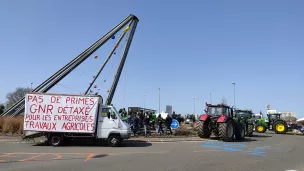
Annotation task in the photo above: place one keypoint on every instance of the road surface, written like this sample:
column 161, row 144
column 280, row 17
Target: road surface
column 261, row 152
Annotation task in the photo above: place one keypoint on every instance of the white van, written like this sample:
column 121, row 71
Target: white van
column 63, row 116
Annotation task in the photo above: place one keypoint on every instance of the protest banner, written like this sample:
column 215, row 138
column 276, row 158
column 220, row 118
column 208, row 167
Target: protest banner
column 60, row 113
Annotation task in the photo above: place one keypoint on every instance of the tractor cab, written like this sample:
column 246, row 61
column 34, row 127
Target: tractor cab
column 216, row 111
column 246, row 114
column 273, row 117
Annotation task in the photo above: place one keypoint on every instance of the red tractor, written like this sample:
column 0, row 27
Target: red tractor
column 219, row 120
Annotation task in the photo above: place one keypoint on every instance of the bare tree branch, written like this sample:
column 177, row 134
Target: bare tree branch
column 224, row 101
column 2, row 108
column 14, row 97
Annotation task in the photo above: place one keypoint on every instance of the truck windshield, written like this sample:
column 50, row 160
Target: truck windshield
column 117, row 113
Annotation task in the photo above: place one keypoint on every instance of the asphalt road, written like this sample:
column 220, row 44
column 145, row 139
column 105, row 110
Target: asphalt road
column 261, row 152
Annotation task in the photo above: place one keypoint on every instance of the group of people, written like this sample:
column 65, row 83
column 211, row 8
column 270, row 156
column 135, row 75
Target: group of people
column 146, row 121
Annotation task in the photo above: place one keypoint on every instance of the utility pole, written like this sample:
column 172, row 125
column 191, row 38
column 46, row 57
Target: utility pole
column 194, row 105
column 18, row 107
column 159, row 100
column 234, row 93
column 144, row 103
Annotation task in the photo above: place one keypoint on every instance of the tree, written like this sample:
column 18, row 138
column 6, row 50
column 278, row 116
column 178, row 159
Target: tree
column 261, row 113
column 15, row 96
column 2, row 108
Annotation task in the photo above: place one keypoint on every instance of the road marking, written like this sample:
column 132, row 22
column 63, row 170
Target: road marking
column 206, row 151
column 89, row 157
column 162, row 142
column 238, row 147
column 167, row 142
column 31, row 158
column 7, row 155
column 192, row 141
column 58, row 156
column 43, row 153
column 122, row 153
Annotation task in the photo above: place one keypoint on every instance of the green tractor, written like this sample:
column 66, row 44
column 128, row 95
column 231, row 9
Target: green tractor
column 245, row 117
column 273, row 122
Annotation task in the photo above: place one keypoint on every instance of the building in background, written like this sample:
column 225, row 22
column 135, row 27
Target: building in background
column 169, row 110
column 288, row 114
column 140, row 109
column 291, row 116
column 271, row 111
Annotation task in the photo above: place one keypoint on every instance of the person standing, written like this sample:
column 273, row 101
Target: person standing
column 147, row 126
column 135, row 125
column 159, row 121
column 141, row 120
column 168, row 123
column 153, row 121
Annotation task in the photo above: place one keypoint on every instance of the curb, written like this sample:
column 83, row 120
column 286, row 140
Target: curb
column 127, row 141
column 297, row 134
column 166, row 140
column 10, row 140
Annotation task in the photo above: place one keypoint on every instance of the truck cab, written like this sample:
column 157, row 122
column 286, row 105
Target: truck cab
column 111, row 126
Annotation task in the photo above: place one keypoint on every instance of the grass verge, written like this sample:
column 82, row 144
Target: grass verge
column 11, row 125
column 183, row 130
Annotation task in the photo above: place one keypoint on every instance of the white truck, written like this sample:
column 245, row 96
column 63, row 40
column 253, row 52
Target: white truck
column 63, row 116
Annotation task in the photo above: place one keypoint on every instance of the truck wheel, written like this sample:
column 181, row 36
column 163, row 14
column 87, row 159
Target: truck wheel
column 55, row 140
column 280, row 127
column 114, row 140
column 226, row 130
column 260, row 128
column 239, row 131
column 203, row 130
column 250, row 131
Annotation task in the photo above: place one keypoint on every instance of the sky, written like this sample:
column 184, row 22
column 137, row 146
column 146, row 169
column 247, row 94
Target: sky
column 185, row 48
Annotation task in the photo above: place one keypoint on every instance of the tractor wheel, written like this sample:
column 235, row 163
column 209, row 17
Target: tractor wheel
column 260, row 128
column 226, row 130
column 239, row 131
column 250, row 131
column 280, row 127
column 203, row 130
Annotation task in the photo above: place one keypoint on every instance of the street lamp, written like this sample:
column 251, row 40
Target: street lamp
column 234, row 93
column 194, row 104
column 159, row 100
column 144, row 103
